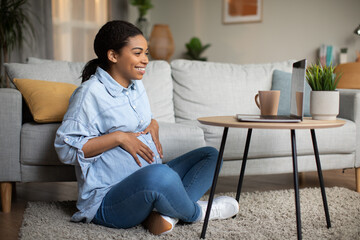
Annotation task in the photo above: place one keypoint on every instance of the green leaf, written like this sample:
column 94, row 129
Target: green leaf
column 195, row 48
column 143, row 6
column 195, row 44
column 15, row 26
column 322, row 78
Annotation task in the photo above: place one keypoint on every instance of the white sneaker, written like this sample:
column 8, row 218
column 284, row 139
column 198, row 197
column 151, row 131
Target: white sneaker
column 222, row 208
column 172, row 221
column 159, row 224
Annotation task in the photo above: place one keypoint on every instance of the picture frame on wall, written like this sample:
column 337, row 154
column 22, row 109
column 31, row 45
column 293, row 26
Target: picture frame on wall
column 242, row 11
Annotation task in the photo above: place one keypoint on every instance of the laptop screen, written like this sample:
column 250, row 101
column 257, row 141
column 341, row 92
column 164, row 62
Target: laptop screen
column 297, row 89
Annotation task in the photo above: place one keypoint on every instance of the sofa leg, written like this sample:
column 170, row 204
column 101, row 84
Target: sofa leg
column 357, row 177
column 6, row 190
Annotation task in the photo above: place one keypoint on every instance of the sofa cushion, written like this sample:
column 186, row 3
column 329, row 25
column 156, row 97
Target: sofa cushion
column 157, row 81
column 282, row 81
column 159, row 88
column 211, row 89
column 177, row 139
column 56, row 71
column 47, row 101
column 37, row 144
column 267, row 143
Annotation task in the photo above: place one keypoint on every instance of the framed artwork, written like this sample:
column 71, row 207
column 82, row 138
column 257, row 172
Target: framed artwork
column 242, row 11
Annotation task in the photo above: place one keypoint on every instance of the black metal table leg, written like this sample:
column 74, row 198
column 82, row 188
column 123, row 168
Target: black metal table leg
column 321, row 180
column 243, row 165
column 216, row 175
column 296, row 183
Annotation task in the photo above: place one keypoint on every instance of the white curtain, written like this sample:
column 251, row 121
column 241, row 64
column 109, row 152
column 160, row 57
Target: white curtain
column 69, row 34
column 75, row 24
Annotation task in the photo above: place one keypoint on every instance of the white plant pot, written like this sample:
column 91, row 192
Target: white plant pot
column 324, row 105
column 343, row 58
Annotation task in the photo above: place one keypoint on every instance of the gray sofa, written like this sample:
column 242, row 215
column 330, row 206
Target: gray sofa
column 179, row 93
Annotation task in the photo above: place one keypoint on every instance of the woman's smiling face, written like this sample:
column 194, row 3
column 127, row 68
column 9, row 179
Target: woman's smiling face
column 130, row 62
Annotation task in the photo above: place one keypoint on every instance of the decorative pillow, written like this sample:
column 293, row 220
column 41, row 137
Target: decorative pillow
column 47, row 101
column 350, row 75
column 55, row 71
column 282, row 81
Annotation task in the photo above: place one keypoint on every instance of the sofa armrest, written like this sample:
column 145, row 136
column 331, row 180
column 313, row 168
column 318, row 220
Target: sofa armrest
column 350, row 109
column 10, row 127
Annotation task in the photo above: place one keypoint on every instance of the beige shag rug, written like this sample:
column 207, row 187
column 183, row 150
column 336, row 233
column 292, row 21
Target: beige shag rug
column 263, row 215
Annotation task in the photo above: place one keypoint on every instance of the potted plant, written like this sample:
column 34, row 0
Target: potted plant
column 143, row 7
column 195, row 49
column 324, row 98
column 15, row 29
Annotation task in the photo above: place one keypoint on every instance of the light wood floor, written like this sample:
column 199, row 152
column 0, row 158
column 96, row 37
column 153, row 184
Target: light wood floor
column 10, row 222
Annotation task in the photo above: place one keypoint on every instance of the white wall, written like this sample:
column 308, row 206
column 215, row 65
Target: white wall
column 289, row 30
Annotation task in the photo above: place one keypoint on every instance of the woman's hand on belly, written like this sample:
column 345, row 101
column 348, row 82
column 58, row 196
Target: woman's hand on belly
column 130, row 143
column 153, row 128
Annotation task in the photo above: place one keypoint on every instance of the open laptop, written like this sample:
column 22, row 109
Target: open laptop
column 297, row 86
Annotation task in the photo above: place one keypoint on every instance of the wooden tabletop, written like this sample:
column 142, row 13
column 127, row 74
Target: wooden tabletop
column 308, row 123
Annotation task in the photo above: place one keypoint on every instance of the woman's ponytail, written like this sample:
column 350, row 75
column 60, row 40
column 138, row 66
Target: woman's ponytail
column 89, row 69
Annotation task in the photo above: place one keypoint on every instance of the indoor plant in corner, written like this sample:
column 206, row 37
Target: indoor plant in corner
column 324, row 98
column 15, row 29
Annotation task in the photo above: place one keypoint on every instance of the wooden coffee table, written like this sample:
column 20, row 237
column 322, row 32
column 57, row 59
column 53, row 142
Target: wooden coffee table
column 231, row 121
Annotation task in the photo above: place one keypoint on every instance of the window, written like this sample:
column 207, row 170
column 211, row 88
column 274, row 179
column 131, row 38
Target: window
column 75, row 24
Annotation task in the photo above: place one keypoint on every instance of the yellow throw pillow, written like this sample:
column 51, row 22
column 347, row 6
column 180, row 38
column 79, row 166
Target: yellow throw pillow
column 48, row 101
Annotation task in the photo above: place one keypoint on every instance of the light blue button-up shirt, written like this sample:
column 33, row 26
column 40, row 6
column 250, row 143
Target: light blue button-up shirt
column 98, row 107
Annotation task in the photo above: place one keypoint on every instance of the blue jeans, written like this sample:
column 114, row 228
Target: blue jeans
column 172, row 188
